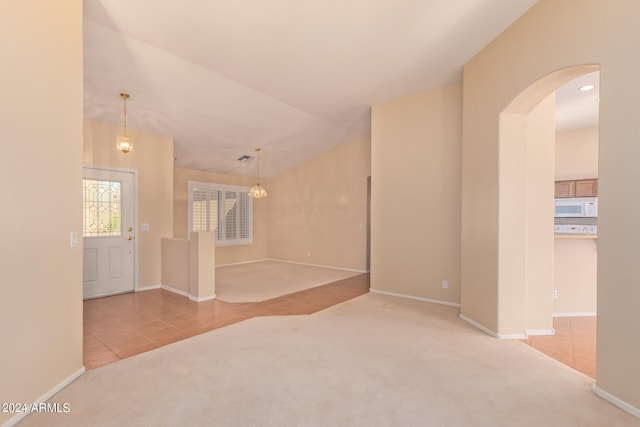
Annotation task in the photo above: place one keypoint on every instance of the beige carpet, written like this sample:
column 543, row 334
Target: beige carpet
column 372, row 361
column 260, row 281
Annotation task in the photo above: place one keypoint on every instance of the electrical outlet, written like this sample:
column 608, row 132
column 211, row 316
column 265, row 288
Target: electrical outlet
column 555, row 294
column 73, row 239
column 445, row 284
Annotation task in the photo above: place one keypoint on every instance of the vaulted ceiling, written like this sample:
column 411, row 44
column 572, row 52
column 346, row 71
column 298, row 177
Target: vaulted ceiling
column 296, row 77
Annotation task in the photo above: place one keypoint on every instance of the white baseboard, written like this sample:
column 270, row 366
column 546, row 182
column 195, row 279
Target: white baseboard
column 478, row 326
column 48, row 395
column 148, row 288
column 243, row 262
column 576, row 314
column 293, row 262
column 175, row 291
column 317, row 265
column 618, row 402
column 531, row 332
column 434, row 301
column 201, row 299
column 490, row 332
column 187, row 294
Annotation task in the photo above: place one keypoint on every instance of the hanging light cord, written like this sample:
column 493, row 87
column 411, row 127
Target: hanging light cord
column 258, row 164
column 125, row 116
column 124, row 97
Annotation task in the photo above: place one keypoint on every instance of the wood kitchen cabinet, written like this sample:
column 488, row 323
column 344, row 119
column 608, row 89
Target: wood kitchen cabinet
column 587, row 188
column 576, row 188
column 565, row 189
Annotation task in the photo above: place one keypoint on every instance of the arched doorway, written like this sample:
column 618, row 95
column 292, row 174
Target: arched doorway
column 526, row 178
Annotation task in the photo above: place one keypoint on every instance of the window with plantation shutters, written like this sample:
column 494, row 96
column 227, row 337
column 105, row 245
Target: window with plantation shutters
column 204, row 209
column 230, row 215
column 225, row 210
column 244, row 203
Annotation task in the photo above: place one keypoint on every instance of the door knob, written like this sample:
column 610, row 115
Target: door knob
column 130, row 229
column 130, row 238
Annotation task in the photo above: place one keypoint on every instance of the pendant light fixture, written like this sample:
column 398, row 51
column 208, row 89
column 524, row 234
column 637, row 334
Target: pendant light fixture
column 258, row 192
column 124, row 142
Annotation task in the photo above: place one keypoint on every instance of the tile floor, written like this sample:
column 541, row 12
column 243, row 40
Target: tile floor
column 573, row 344
column 121, row 326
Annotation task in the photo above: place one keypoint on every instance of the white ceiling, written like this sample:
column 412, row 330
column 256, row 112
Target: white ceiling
column 296, row 77
column 576, row 109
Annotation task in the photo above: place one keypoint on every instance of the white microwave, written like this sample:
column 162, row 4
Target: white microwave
column 576, row 207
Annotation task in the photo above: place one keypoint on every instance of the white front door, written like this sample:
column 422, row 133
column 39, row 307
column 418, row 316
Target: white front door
column 108, row 232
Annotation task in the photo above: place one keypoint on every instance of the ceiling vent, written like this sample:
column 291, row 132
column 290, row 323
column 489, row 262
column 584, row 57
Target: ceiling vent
column 245, row 158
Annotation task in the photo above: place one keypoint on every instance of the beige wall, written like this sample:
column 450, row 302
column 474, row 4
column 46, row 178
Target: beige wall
column 525, row 235
column 576, row 259
column 575, row 276
column 176, row 264
column 525, row 246
column 540, row 153
column 41, row 186
column 415, row 203
column 152, row 158
column 202, row 268
column 224, row 254
column 321, row 207
column 541, row 42
column 512, row 243
column 577, row 154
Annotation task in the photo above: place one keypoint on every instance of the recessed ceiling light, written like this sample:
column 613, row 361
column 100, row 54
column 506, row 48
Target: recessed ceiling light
column 587, row 88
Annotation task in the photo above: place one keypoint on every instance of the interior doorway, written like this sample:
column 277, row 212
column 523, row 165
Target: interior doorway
column 576, row 169
column 528, row 243
column 575, row 235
